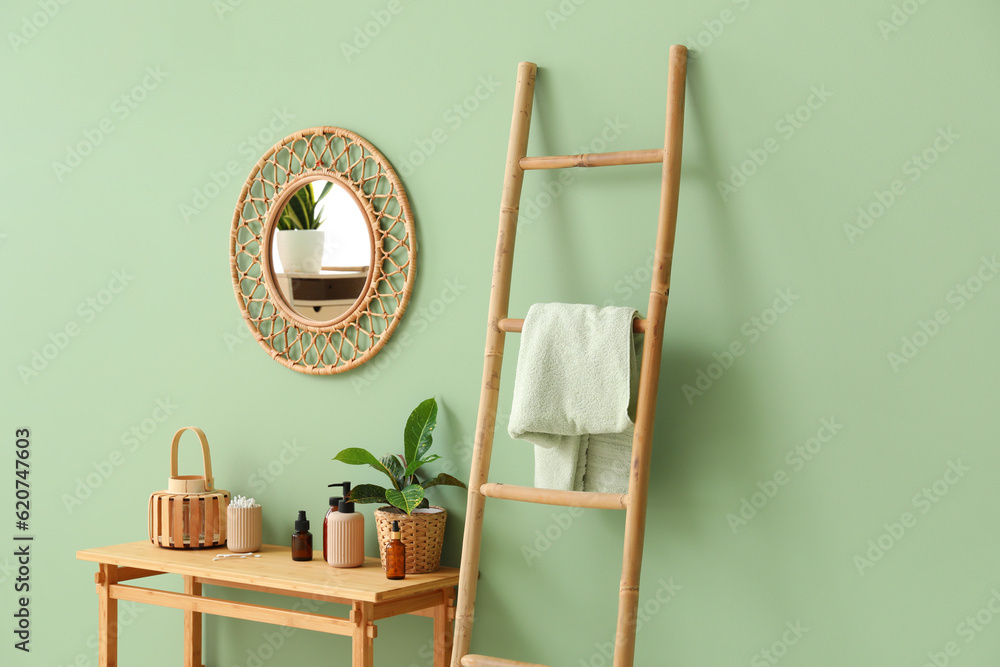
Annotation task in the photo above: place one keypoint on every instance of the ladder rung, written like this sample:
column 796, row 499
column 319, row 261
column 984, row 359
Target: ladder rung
column 515, row 326
column 649, row 156
column 470, row 660
column 531, row 494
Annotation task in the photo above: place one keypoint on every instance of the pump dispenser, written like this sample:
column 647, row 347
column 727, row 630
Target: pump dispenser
column 345, row 533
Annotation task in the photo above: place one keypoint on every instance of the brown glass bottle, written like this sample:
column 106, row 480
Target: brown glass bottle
column 395, row 555
column 302, row 539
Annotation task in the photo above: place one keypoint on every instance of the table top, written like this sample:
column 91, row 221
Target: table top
column 274, row 569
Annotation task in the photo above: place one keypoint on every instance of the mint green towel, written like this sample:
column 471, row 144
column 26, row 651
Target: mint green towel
column 574, row 395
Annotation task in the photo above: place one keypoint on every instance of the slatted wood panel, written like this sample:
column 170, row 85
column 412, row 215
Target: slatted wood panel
column 188, row 521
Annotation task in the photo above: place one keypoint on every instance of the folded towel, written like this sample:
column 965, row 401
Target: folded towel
column 576, row 376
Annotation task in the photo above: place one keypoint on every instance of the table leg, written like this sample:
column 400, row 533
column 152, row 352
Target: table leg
column 107, row 617
column 192, row 627
column 363, row 639
column 443, row 629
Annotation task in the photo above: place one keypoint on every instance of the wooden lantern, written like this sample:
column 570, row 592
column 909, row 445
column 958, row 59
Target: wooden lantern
column 191, row 513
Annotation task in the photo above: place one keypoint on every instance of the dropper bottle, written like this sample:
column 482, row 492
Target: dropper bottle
column 395, row 555
column 302, row 539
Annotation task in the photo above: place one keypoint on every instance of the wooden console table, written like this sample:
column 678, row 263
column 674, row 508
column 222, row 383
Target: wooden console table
column 370, row 595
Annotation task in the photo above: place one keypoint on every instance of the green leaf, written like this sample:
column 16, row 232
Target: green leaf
column 444, row 479
column 391, row 462
column 356, row 456
column 367, row 493
column 407, row 499
column 414, row 465
column 326, row 190
column 417, row 437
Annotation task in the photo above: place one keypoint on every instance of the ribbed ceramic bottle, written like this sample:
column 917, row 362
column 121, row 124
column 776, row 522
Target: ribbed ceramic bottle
column 345, row 538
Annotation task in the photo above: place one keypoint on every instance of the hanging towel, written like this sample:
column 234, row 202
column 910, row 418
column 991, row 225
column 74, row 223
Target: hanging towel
column 577, row 375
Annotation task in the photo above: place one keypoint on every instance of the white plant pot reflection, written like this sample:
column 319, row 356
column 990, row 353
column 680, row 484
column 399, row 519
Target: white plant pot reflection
column 301, row 250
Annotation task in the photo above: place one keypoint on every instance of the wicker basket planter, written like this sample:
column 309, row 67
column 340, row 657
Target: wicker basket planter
column 422, row 532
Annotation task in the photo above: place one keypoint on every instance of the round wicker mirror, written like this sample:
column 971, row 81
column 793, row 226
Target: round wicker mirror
column 325, row 309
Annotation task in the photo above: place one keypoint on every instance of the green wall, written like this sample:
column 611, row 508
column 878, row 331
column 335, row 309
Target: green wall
column 837, row 476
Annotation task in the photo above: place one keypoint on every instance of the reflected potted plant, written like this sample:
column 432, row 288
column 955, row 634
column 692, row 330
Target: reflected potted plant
column 300, row 240
column 421, row 524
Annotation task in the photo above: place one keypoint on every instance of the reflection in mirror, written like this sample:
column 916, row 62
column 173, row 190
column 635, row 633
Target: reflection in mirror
column 321, row 253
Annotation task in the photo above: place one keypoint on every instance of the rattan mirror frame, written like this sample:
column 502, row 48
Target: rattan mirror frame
column 323, row 348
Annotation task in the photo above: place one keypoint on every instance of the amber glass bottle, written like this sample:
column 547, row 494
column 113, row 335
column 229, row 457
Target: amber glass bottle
column 395, row 555
column 302, row 539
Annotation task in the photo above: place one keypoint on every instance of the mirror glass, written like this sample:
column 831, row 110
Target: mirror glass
column 321, row 250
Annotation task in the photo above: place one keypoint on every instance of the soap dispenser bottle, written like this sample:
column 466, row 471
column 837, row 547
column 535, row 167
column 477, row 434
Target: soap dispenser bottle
column 345, row 537
column 334, row 506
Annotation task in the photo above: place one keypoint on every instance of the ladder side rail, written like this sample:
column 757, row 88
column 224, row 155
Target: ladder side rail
column 517, row 147
column 649, row 377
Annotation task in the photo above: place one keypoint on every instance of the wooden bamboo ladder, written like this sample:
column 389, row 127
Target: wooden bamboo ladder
column 633, row 502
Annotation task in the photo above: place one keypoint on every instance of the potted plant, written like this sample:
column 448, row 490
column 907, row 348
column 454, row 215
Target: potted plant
column 300, row 240
column 421, row 525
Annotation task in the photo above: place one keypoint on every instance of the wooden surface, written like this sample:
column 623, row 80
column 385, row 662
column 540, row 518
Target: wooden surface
column 511, row 325
column 517, row 146
column 196, row 605
column 634, row 503
column 192, row 627
column 649, row 374
column 275, row 569
column 531, row 494
column 619, row 158
column 486, row 661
